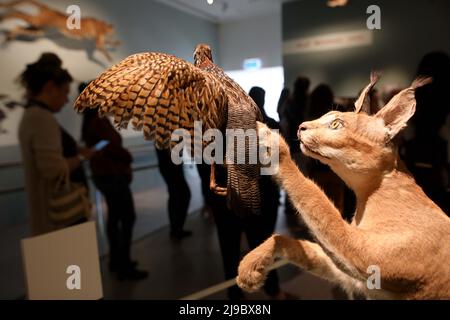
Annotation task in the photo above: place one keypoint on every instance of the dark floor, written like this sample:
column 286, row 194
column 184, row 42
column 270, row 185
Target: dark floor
column 179, row 269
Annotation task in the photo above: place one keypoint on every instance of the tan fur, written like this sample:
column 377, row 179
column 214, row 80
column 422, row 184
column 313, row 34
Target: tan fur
column 396, row 226
column 49, row 18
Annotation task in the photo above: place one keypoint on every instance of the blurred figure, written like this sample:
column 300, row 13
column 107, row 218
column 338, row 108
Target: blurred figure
column 256, row 228
column 426, row 154
column 179, row 193
column 258, row 95
column 294, row 113
column 293, row 116
column 208, row 201
column 321, row 101
column 281, row 106
column 112, row 175
column 48, row 152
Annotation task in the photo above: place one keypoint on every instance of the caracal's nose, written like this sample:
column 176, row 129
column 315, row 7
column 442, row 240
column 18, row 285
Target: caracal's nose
column 303, row 127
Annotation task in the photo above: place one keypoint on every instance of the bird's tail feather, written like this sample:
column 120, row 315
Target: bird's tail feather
column 243, row 192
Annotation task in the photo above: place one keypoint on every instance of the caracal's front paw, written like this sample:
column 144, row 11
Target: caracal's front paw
column 271, row 140
column 252, row 271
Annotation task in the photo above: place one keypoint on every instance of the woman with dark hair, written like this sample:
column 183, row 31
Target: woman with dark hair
column 48, row 152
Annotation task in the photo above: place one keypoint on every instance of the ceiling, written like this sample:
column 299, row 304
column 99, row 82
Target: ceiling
column 227, row 10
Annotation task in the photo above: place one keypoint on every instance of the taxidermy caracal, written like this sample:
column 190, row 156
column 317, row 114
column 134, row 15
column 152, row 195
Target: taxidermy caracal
column 397, row 229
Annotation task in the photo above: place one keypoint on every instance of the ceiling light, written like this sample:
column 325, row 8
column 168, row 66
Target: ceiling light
column 337, row 3
column 210, row 1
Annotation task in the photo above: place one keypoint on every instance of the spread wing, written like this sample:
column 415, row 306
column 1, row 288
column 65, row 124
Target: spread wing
column 159, row 93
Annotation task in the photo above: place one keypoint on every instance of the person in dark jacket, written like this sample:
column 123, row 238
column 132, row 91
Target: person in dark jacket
column 111, row 173
column 257, row 228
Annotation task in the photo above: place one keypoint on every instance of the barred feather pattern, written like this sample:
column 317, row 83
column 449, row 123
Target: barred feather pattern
column 158, row 93
column 243, row 192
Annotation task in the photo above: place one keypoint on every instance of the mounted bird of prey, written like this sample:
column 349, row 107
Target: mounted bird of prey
column 160, row 93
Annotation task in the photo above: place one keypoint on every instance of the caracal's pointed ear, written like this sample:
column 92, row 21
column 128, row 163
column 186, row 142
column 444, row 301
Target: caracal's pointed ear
column 401, row 108
column 363, row 102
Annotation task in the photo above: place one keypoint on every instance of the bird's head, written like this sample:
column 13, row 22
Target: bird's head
column 202, row 54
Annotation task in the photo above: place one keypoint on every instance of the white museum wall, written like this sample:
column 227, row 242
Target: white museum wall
column 258, row 37
column 270, row 79
column 143, row 25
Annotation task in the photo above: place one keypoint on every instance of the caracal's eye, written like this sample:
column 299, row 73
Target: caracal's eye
column 336, row 124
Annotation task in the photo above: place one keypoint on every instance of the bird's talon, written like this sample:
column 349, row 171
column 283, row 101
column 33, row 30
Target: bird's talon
column 221, row 191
